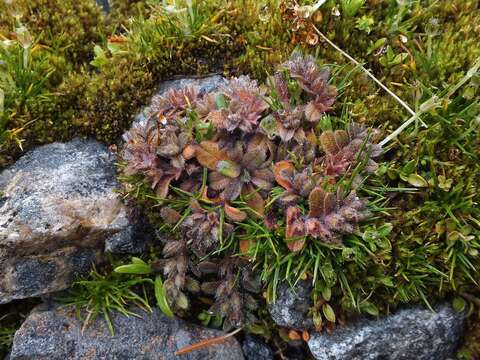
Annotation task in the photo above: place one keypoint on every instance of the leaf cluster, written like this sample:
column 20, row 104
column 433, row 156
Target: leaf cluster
column 219, row 161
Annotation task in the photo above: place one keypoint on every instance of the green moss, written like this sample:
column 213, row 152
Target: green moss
column 434, row 240
column 70, row 28
column 101, row 101
column 471, row 347
column 417, row 50
column 123, row 10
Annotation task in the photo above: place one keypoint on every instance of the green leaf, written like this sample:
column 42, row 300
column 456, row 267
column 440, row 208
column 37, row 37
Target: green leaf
column 317, row 320
column 348, row 253
column 351, row 7
column 459, row 304
column 182, row 301
column 370, row 235
column 114, row 48
column 327, row 293
column 387, row 281
column 100, row 57
column 369, row 308
column 220, row 101
column 160, row 295
column 417, row 181
column 376, row 45
column 228, row 168
column 385, row 229
column 326, row 123
column 408, row 168
column 136, row 260
column 137, row 269
column 267, row 124
column 328, row 312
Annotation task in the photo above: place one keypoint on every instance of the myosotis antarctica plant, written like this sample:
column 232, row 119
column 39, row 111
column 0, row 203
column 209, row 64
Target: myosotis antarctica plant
column 235, row 168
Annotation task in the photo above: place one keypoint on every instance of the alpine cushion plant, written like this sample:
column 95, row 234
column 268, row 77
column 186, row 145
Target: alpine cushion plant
column 247, row 157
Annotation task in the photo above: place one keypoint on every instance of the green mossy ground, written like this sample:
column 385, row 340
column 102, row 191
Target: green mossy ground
column 418, row 49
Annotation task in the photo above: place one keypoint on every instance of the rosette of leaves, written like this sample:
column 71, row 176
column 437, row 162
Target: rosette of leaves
column 314, row 82
column 158, row 152
column 243, row 169
column 298, row 184
column 175, row 102
column 289, row 120
column 345, row 149
column 330, row 215
column 225, row 167
column 294, row 119
column 237, row 107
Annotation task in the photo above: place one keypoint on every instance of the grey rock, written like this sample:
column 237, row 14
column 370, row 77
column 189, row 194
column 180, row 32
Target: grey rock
column 104, row 4
column 58, row 207
column 411, row 333
column 132, row 240
column 204, row 84
column 255, row 349
column 56, row 334
column 291, row 306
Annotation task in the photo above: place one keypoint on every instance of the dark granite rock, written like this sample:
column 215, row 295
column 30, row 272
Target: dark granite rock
column 291, row 306
column 255, row 349
column 58, row 208
column 56, row 334
column 411, row 333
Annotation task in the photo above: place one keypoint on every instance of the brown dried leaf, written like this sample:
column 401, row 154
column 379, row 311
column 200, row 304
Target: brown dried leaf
column 234, row 213
column 320, row 202
column 283, row 172
column 327, row 140
column 246, row 245
column 305, row 335
column 189, row 152
column 208, row 154
column 293, row 335
column 341, row 139
column 254, row 201
column 169, row 215
column 295, row 229
column 162, row 186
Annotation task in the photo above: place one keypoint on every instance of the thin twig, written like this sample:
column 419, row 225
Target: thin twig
column 391, row 93
column 426, row 106
column 434, row 100
column 470, row 73
column 205, row 343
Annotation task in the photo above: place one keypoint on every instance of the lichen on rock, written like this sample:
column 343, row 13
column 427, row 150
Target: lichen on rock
column 58, row 208
column 56, row 333
column 410, row 333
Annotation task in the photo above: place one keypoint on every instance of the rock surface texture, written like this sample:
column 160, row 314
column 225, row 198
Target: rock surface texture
column 291, row 307
column 255, row 349
column 56, row 334
column 412, row 333
column 57, row 209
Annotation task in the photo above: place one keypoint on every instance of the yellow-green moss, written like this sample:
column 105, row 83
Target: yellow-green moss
column 69, row 27
column 246, row 36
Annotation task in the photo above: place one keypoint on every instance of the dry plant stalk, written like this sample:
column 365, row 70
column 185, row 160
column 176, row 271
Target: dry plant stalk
column 204, row 343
